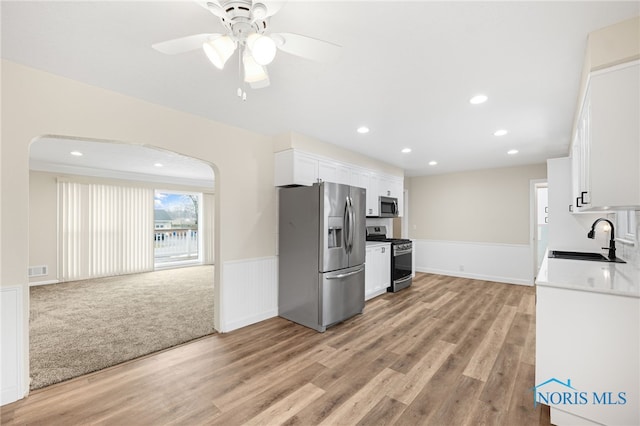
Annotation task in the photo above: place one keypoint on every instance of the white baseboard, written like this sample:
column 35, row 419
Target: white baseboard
column 245, row 321
column 37, row 283
column 11, row 344
column 505, row 263
column 492, row 278
column 249, row 293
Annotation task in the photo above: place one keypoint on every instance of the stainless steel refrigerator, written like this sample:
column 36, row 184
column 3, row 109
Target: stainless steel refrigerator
column 321, row 253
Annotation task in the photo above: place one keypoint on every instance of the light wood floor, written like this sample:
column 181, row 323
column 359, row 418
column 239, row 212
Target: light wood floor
column 446, row 351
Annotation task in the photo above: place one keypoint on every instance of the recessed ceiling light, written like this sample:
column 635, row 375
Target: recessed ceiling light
column 158, row 164
column 76, row 153
column 433, row 163
column 500, row 132
column 363, row 129
column 478, row 99
column 406, row 150
column 512, row 152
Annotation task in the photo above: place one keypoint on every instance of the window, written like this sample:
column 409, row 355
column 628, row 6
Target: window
column 626, row 224
column 177, row 234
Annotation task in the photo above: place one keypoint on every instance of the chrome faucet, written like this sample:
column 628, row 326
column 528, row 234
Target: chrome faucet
column 612, row 242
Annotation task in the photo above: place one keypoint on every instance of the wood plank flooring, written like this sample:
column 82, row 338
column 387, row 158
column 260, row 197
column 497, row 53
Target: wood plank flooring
column 446, row 351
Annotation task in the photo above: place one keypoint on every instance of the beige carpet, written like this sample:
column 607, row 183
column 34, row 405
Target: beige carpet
column 83, row 326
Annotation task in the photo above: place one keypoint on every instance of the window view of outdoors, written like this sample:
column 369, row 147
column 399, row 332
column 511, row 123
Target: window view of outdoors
column 176, row 226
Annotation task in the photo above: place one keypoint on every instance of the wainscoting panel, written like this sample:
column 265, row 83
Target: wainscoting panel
column 507, row 263
column 11, row 344
column 250, row 292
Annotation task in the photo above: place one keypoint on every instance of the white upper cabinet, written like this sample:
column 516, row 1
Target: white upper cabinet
column 293, row 167
column 364, row 178
column 392, row 186
column 606, row 147
column 373, row 206
column 332, row 171
column 359, row 177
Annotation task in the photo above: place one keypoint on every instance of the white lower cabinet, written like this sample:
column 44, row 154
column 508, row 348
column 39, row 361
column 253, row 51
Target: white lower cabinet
column 377, row 271
column 587, row 356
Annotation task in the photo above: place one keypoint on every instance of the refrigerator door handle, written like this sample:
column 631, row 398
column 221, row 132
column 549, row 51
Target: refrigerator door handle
column 348, row 274
column 347, row 228
column 351, row 224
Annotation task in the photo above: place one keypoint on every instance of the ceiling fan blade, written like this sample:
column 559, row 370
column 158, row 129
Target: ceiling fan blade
column 306, row 47
column 183, row 44
column 213, row 6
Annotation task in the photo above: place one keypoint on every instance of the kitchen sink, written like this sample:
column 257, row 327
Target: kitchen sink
column 579, row 255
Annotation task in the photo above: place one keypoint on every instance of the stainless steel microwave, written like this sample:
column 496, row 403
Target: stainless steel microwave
column 388, row 207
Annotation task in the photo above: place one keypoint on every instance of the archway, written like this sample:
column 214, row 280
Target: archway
column 120, row 167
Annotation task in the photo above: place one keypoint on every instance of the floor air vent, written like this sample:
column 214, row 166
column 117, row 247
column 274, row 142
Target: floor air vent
column 38, row 271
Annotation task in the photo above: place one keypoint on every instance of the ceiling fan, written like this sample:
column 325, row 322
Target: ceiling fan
column 247, row 24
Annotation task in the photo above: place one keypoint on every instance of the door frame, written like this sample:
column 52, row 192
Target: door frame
column 533, row 223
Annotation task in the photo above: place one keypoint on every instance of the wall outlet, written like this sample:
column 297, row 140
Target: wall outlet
column 461, row 268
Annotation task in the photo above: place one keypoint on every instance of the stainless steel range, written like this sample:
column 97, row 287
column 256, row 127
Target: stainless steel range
column 401, row 257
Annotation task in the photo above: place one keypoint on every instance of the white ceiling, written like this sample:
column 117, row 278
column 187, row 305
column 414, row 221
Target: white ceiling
column 407, row 71
column 119, row 161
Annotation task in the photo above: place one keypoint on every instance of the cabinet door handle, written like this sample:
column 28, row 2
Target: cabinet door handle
column 570, row 208
column 582, row 194
column 578, row 202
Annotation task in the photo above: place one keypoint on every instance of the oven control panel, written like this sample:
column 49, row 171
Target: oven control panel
column 402, row 246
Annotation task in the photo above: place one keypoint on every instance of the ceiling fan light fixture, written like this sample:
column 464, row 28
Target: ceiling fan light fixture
column 262, row 47
column 253, row 71
column 219, row 50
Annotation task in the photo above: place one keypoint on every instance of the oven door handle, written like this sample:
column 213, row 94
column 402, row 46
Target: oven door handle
column 401, row 252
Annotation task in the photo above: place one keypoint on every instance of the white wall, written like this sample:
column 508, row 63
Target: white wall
column 505, row 263
column 474, row 224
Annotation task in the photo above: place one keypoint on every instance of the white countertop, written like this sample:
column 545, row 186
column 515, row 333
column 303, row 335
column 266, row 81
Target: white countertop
column 622, row 279
column 377, row 243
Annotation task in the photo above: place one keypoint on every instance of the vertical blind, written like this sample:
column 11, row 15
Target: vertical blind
column 207, row 228
column 104, row 230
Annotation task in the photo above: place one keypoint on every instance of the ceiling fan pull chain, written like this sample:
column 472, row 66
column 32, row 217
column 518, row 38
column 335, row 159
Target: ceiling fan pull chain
column 239, row 71
column 242, row 93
